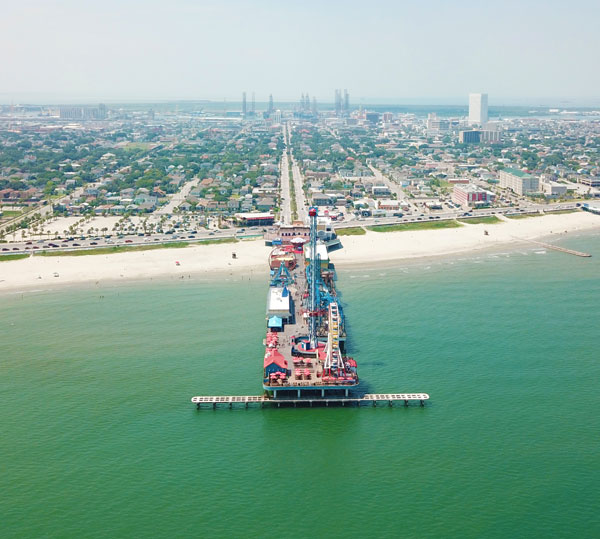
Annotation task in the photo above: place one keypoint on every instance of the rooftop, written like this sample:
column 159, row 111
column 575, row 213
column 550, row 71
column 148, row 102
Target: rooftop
column 517, row 172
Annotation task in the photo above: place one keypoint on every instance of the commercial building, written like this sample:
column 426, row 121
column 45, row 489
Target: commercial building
column 388, row 204
column 470, row 195
column 469, row 137
column 254, row 219
column 478, row 109
column 435, row 124
column 554, row 189
column 590, row 181
column 518, row 181
column 490, row 135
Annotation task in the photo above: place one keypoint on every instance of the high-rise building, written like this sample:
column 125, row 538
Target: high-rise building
column 346, row 102
column 244, row 110
column 478, row 109
column 338, row 102
column 518, row 181
column 271, row 108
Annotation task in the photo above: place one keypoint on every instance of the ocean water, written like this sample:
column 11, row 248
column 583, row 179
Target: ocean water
column 99, row 438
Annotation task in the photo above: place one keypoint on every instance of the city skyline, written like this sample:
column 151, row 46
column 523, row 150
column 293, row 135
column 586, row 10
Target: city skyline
column 393, row 52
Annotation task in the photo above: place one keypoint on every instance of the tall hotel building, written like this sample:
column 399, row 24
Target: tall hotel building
column 478, row 109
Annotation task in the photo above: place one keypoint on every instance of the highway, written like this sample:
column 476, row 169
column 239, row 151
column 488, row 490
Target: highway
column 73, row 243
column 441, row 215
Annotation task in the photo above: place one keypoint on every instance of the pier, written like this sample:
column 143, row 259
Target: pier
column 369, row 398
column 305, row 361
column 557, row 248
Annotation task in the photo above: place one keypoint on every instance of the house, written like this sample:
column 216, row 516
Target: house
column 265, row 204
column 321, row 199
column 274, row 362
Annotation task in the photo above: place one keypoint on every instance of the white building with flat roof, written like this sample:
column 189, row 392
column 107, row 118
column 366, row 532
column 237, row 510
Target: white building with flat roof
column 518, row 181
column 478, row 109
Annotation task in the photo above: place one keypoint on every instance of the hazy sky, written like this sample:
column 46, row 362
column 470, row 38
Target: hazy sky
column 195, row 49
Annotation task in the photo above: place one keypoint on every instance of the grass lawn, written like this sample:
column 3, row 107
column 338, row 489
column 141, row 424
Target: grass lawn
column 528, row 215
column 127, row 248
column 426, row 225
column 354, row 231
column 559, row 212
column 9, row 214
column 524, row 215
column 4, row 258
column 488, row 220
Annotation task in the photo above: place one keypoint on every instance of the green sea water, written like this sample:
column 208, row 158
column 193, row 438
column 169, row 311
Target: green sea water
column 98, row 437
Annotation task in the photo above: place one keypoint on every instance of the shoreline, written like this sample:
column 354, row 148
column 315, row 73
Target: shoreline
column 208, row 261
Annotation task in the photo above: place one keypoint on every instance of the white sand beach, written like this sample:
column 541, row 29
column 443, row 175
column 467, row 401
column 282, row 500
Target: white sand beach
column 195, row 261
column 390, row 246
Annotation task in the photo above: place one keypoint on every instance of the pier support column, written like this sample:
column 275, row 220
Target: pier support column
column 422, row 403
column 274, row 393
column 391, row 403
column 374, row 404
column 197, row 406
column 346, row 392
column 322, row 392
column 299, row 393
column 214, row 405
column 246, row 404
column 405, row 403
column 230, row 405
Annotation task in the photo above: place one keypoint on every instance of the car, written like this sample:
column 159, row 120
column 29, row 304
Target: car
column 128, row 241
column 5, row 249
column 76, row 245
column 93, row 243
column 211, row 233
column 16, row 249
column 156, row 239
column 190, row 236
column 36, row 246
column 29, row 243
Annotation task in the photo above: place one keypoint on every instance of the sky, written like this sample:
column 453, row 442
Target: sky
column 417, row 51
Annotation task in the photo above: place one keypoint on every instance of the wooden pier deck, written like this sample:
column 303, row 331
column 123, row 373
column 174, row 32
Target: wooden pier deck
column 372, row 398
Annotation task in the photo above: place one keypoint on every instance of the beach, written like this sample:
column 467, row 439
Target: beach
column 251, row 256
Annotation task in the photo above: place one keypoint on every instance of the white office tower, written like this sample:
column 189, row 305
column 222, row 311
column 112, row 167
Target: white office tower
column 478, row 109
